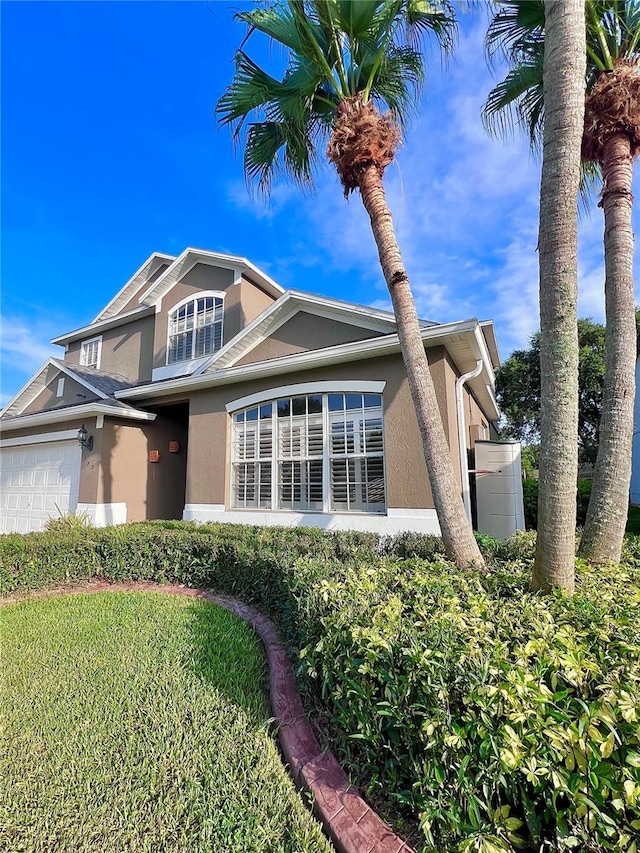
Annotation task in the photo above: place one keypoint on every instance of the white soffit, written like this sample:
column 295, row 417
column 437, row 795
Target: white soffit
column 96, row 328
column 75, row 413
column 462, row 340
column 293, row 302
column 137, row 280
column 190, row 257
column 38, row 383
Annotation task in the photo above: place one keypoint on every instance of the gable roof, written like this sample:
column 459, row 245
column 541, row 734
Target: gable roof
column 102, row 325
column 464, row 341
column 190, row 257
column 137, row 280
column 285, row 308
column 103, row 385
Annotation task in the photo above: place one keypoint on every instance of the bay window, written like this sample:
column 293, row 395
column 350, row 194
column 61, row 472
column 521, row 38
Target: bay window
column 312, row 453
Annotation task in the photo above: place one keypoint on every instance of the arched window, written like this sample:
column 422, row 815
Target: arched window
column 195, row 327
column 313, row 452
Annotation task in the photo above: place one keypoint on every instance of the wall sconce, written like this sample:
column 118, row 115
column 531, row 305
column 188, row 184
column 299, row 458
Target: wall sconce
column 84, row 439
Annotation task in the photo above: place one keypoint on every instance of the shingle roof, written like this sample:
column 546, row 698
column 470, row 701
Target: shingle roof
column 105, row 382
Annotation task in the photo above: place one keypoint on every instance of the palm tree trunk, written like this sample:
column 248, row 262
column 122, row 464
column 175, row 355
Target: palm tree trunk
column 459, row 541
column 609, row 504
column 563, row 80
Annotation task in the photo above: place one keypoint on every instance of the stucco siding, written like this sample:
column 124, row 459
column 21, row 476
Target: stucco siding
column 134, row 302
column 303, row 332
column 201, row 277
column 150, row 489
column 208, row 467
column 126, row 350
column 73, row 393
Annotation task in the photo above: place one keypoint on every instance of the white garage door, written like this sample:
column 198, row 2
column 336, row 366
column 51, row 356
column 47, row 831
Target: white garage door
column 38, row 482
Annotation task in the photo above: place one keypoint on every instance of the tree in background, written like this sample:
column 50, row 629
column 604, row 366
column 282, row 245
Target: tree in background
column 611, row 140
column 346, row 61
column 518, row 390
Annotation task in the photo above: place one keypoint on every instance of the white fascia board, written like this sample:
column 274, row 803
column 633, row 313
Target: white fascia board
column 356, row 351
column 74, row 413
column 272, row 318
column 38, row 387
column 366, row 316
column 190, row 257
column 26, row 387
column 489, row 331
column 40, row 438
column 139, row 273
column 283, row 310
column 80, row 379
column 104, row 325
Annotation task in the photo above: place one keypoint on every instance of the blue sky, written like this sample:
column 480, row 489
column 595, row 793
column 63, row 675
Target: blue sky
column 110, row 152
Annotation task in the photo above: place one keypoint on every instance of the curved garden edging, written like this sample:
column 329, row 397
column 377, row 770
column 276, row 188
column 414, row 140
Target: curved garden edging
column 350, row 823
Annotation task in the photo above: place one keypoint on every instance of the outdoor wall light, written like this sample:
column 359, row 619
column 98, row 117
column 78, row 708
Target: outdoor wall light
column 84, row 439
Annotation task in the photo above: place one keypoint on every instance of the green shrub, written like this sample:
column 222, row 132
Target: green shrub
column 530, row 497
column 506, row 720
column 498, row 718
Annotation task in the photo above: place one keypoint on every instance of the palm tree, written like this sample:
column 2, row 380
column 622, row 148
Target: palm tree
column 346, row 60
column 563, row 89
column 611, row 140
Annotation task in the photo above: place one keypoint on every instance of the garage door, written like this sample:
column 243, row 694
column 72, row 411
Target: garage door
column 37, row 482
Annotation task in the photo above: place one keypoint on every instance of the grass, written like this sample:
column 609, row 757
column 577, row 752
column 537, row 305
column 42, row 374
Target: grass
column 138, row 722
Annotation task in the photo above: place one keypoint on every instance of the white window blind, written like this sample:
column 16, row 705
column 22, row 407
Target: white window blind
column 195, row 329
column 321, row 452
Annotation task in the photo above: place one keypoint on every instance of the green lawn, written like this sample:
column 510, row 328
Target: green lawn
column 138, row 722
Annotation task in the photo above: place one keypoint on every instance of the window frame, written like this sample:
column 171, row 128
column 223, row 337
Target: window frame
column 203, row 294
column 277, row 457
column 83, row 352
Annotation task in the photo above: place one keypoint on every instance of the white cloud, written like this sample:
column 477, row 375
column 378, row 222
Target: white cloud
column 24, row 344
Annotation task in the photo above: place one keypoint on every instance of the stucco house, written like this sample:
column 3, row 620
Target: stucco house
column 205, row 391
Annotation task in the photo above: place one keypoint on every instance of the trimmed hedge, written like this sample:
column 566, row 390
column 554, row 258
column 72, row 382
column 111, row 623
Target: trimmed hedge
column 500, row 719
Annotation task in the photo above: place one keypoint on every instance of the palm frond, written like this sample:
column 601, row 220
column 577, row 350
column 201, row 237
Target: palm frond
column 274, row 148
column 515, row 28
column 424, row 19
column 518, row 100
column 399, row 78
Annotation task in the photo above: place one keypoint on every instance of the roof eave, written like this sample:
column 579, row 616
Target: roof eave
column 103, row 325
column 73, row 413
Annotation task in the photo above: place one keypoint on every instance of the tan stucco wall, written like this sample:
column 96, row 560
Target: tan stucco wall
column 406, row 476
column 201, row 277
column 126, row 350
column 74, row 392
column 150, row 489
column 474, row 416
column 243, row 302
column 303, row 332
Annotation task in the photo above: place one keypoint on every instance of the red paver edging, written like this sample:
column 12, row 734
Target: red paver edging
column 350, row 823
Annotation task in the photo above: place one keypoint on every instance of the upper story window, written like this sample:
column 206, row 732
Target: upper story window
column 320, row 452
column 195, row 327
column 90, row 352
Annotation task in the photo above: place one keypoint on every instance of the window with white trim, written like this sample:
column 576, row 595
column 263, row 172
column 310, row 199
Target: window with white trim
column 313, row 453
column 90, row 352
column 195, row 328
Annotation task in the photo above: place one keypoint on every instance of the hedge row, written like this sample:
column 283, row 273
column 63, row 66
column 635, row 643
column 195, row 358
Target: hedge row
column 499, row 719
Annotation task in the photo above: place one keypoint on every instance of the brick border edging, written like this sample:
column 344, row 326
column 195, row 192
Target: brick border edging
column 351, row 824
